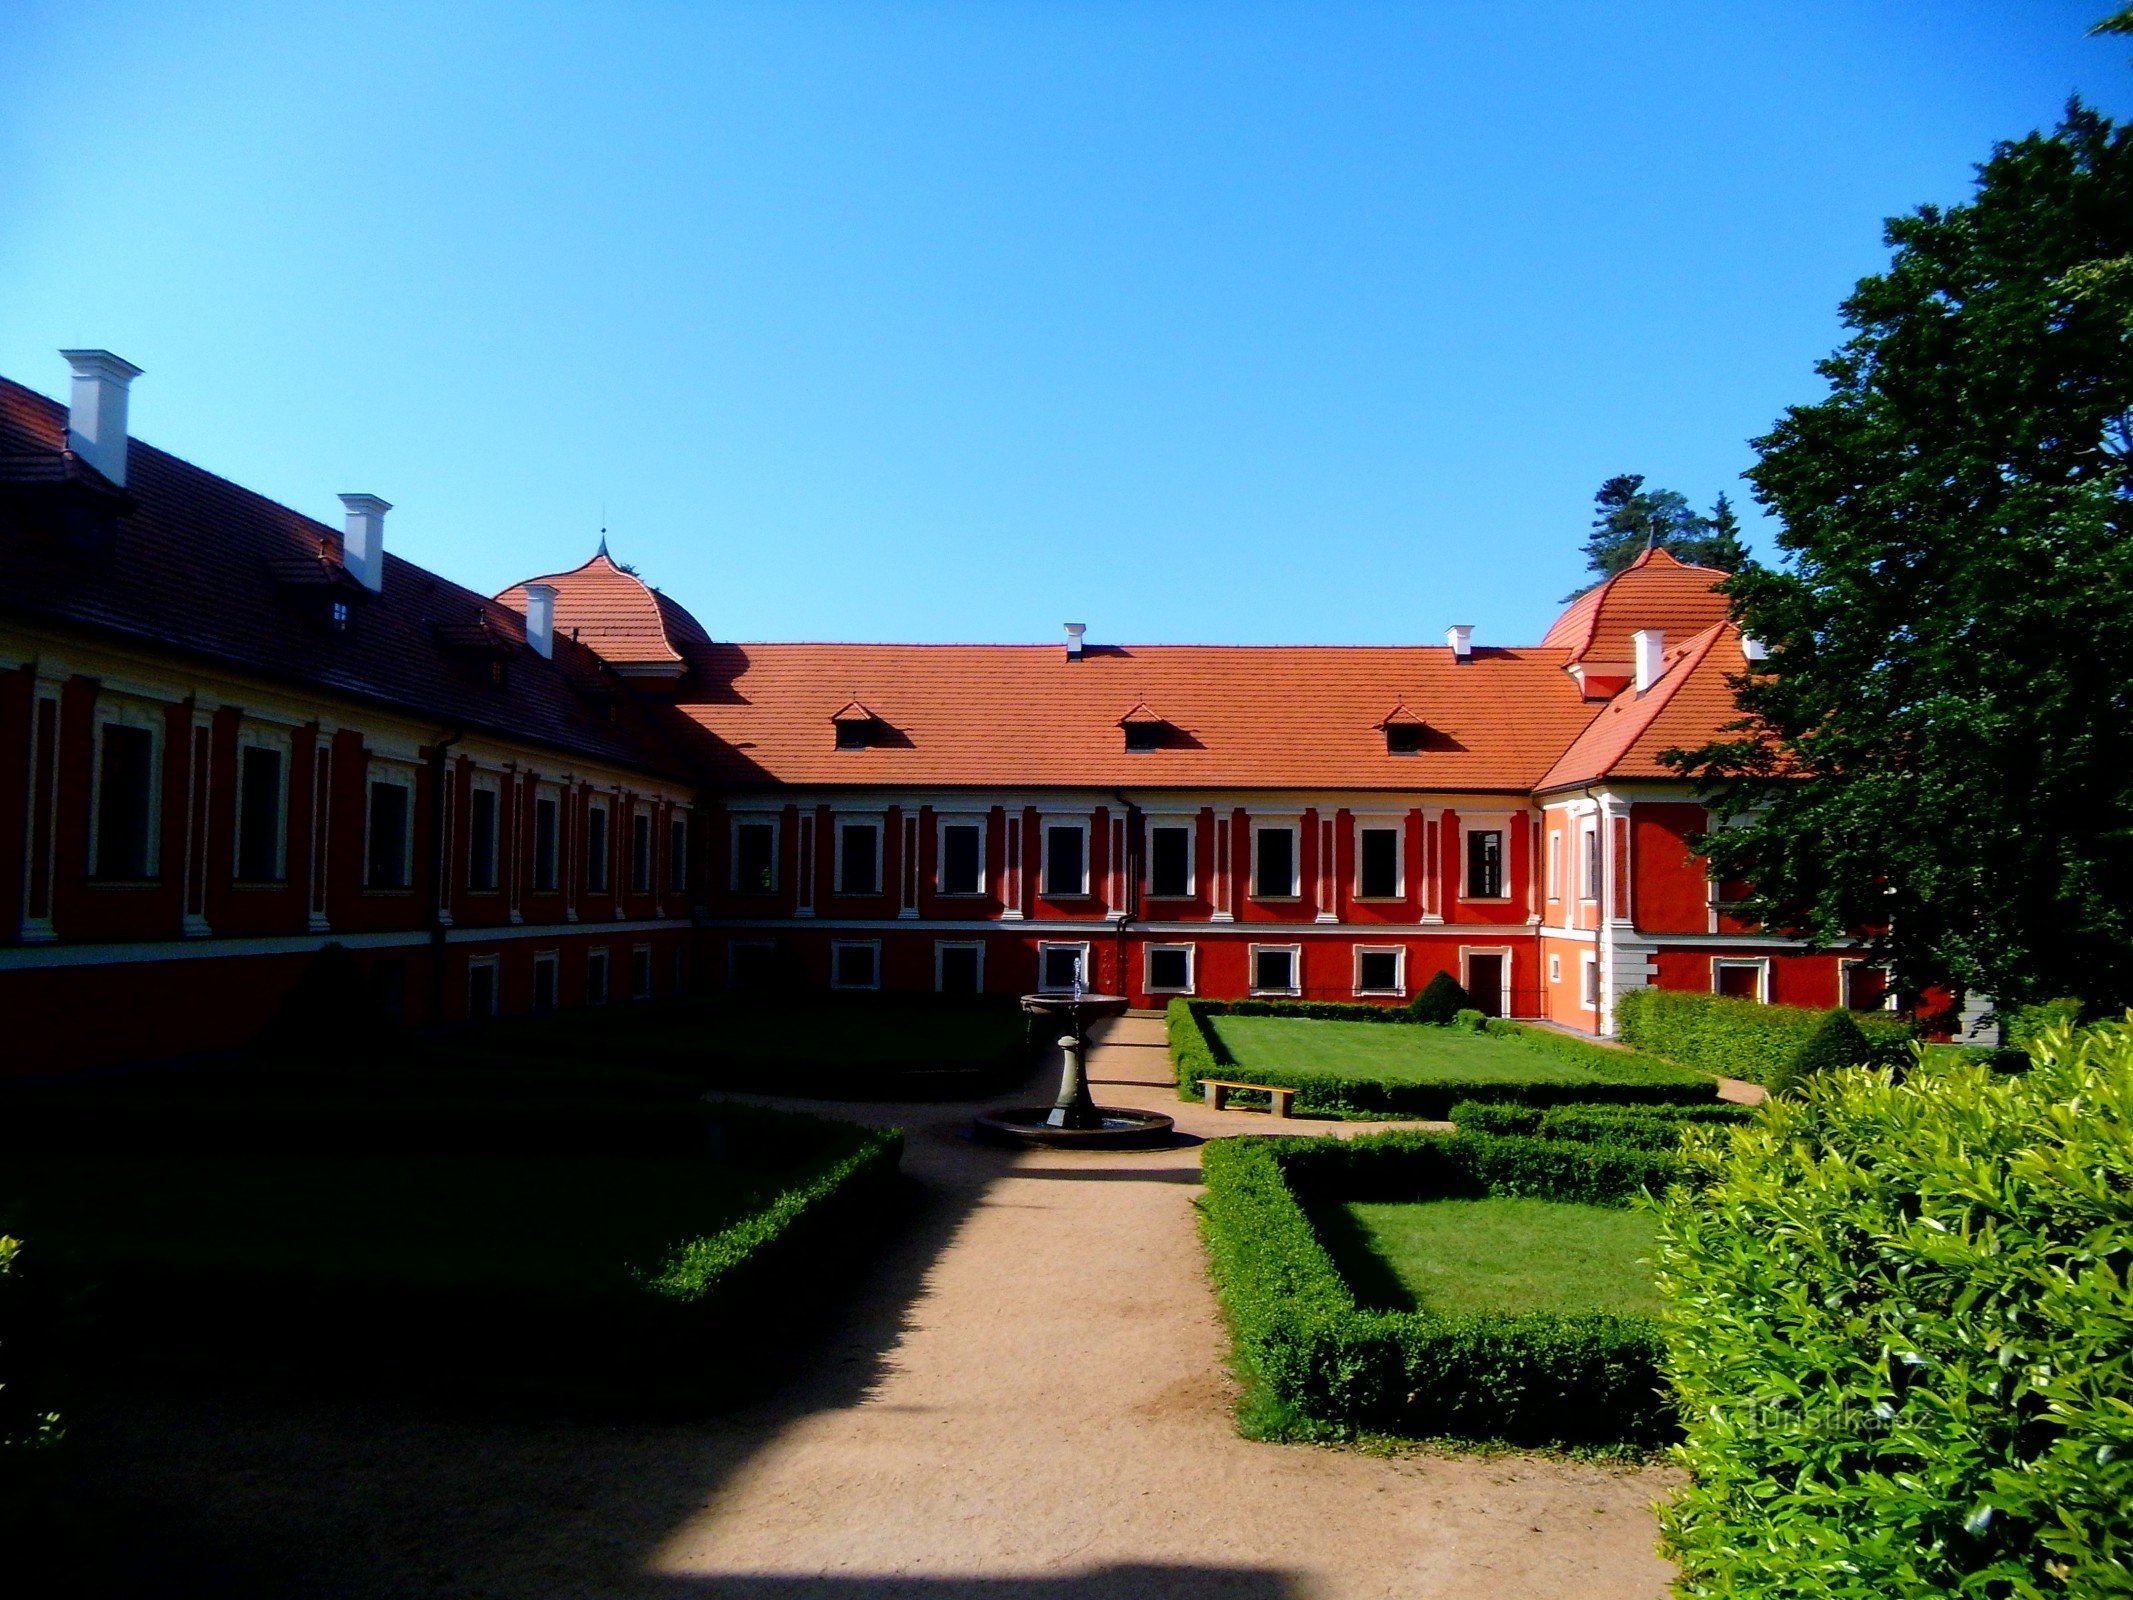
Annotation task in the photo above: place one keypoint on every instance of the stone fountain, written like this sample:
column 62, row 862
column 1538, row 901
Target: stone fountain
column 1074, row 1121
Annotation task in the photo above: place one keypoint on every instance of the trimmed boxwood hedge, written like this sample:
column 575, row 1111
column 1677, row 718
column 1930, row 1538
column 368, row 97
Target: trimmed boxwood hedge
column 1624, row 1077
column 1320, row 1365
column 1643, row 1127
column 1900, row 1326
column 1738, row 1038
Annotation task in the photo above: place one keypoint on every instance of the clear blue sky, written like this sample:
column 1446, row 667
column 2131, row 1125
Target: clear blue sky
column 1304, row 323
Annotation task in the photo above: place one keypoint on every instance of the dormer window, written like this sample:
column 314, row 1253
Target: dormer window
column 851, row 736
column 1404, row 732
column 1144, row 730
column 854, row 726
column 337, row 616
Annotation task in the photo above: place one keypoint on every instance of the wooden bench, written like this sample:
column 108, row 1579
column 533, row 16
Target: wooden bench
column 1217, row 1091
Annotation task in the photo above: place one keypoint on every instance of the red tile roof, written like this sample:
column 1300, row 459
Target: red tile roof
column 1657, row 590
column 1688, row 705
column 609, row 611
column 199, row 566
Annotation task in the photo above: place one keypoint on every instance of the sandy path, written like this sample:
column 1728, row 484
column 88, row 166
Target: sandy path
column 1056, row 1411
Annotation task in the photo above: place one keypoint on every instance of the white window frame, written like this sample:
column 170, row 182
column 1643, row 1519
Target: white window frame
column 1503, row 952
column 741, row 819
column 601, row 807
column 1398, row 830
column 1850, row 964
column 1501, row 827
column 1080, row 947
column 606, row 958
column 553, row 961
column 1761, row 964
column 679, row 821
column 1192, row 968
column 1294, row 829
column 1589, row 878
column 252, row 737
column 837, row 950
column 495, row 969
column 641, row 952
column 1190, row 827
column 941, row 945
column 1589, row 981
column 641, row 812
column 941, row 825
column 558, row 862
column 1555, row 968
column 484, row 782
column 1555, row 865
column 1399, row 979
column 1296, row 961
column 1045, row 825
column 845, row 825
column 401, row 777
column 148, row 718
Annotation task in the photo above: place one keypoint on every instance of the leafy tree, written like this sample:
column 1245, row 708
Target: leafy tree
column 1628, row 519
column 1942, row 747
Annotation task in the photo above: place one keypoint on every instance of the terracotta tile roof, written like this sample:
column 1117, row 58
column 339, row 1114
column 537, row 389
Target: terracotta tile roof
column 614, row 613
column 1026, row 716
column 1686, row 707
column 197, row 565
column 1657, row 590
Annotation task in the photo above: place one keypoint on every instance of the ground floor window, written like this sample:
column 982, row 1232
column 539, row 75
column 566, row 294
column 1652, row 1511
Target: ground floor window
column 855, row 964
column 481, row 987
column 1061, row 967
column 1741, row 979
column 1277, row 969
column 1591, row 994
column 958, row 967
column 595, row 977
column 641, row 972
column 1866, row 987
column 1555, row 969
column 1170, row 969
column 544, row 984
column 1380, row 971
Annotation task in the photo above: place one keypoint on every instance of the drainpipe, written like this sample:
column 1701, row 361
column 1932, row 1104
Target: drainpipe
column 1131, row 907
column 438, row 924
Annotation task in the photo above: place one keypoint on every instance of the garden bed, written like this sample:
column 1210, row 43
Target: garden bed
column 1360, row 1060
column 1322, row 1360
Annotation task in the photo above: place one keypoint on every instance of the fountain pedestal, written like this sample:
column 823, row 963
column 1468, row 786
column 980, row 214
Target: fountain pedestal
column 1074, row 1120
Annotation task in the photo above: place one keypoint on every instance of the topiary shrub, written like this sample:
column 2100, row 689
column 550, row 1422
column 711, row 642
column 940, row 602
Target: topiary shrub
column 1900, row 1330
column 1441, row 1000
column 1836, row 1043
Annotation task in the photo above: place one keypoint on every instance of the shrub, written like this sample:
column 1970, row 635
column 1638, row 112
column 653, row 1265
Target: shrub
column 1736, row 1038
column 1900, row 1330
column 2025, row 1025
column 1471, row 1020
column 1621, row 1076
column 1441, row 999
column 1320, row 1364
column 1651, row 1127
column 1835, row 1043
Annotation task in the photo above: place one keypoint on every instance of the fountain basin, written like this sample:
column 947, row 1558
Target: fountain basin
column 1120, row 1128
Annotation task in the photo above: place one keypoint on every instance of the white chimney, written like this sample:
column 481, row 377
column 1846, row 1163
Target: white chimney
column 96, row 422
column 1460, row 636
column 363, row 544
column 1074, row 631
column 1754, row 649
column 540, row 617
column 1650, row 645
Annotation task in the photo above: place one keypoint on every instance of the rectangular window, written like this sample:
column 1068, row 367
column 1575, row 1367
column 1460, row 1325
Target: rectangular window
column 544, row 984
column 596, row 977
column 1592, row 983
column 1066, row 859
column 1274, row 968
column 481, row 988
column 755, row 856
column 596, row 851
column 1589, row 843
column 1866, row 986
column 262, row 797
column 641, row 972
column 481, row 838
column 125, row 804
column 640, row 853
column 1484, row 864
column 1377, row 863
column 855, row 964
column 962, row 858
column 959, row 968
column 677, row 854
column 1061, row 966
column 1380, row 971
column 1170, row 969
column 1274, row 862
column 1555, row 969
column 1741, row 980
column 1170, row 861
column 545, row 815
column 1555, row 865
column 389, row 858
column 859, row 858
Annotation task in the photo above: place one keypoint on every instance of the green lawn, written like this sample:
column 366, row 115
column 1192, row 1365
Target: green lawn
column 1389, row 1052
column 1465, row 1256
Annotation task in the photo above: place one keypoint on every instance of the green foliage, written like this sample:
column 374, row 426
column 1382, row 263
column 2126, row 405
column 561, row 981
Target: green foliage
column 2026, row 1025
column 25, row 1428
column 1628, row 519
column 1471, row 1020
column 1640, row 1127
column 1900, row 1329
column 1942, row 745
column 1618, row 1076
column 1835, row 1043
column 1739, row 1038
column 1321, row 1365
column 1441, row 999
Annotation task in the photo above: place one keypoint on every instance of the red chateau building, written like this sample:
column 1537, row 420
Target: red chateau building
column 231, row 735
